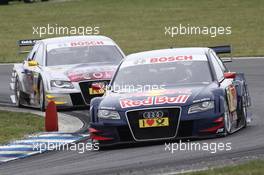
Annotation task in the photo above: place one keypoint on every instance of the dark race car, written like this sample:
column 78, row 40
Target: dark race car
column 169, row 94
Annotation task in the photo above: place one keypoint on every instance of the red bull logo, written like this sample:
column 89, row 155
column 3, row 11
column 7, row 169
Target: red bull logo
column 157, row 100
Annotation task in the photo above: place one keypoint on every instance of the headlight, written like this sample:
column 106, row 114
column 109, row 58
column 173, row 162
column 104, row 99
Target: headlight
column 200, row 107
column 61, row 84
column 108, row 114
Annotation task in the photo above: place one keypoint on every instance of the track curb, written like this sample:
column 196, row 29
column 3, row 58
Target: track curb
column 27, row 146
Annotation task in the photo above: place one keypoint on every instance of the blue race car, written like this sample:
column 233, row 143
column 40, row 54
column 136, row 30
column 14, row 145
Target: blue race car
column 170, row 94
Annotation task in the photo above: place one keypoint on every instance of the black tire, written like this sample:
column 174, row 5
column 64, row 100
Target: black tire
column 42, row 101
column 242, row 112
column 18, row 92
column 227, row 120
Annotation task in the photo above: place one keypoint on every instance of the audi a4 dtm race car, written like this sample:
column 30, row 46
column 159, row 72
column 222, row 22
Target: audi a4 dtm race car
column 64, row 70
column 169, row 94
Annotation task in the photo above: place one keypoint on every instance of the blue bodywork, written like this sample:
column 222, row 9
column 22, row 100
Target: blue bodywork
column 209, row 123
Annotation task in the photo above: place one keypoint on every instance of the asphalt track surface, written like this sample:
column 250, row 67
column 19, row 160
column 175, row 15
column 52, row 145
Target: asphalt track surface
column 151, row 158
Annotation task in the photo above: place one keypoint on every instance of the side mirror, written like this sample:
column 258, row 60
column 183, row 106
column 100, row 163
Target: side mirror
column 32, row 63
column 230, row 75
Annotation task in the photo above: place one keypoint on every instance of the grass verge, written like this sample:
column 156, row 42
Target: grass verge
column 14, row 125
column 139, row 25
column 251, row 168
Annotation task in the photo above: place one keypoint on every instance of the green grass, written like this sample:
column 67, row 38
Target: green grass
column 14, row 125
column 138, row 25
column 251, row 168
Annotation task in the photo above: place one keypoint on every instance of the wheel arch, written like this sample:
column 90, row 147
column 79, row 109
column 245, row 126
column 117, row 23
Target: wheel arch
column 17, row 72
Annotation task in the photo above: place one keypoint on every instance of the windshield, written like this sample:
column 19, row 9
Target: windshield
column 164, row 74
column 87, row 54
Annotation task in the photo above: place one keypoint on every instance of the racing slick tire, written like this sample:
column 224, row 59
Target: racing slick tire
column 42, row 96
column 227, row 119
column 242, row 112
column 18, row 92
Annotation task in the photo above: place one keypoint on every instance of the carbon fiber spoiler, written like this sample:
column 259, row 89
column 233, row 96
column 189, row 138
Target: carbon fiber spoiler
column 26, row 43
column 223, row 50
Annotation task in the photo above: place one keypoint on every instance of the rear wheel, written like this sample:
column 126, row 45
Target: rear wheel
column 41, row 96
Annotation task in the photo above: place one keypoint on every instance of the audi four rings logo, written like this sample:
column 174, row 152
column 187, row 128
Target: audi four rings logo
column 153, row 114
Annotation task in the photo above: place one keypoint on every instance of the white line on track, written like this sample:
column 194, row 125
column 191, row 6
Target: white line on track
column 185, row 171
column 51, row 135
column 5, row 159
column 45, row 141
column 15, row 146
column 17, row 152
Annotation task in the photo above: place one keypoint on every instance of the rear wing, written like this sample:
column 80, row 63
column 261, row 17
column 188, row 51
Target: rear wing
column 27, row 43
column 225, row 49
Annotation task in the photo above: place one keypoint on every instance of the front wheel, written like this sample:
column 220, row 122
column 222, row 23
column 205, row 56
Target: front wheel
column 42, row 96
column 242, row 113
column 227, row 119
column 18, row 92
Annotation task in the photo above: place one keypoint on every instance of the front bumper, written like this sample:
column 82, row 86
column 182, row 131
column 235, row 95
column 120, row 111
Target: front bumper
column 66, row 100
column 111, row 134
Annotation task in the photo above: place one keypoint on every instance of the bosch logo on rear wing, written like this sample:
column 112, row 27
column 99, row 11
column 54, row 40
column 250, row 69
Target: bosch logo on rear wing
column 223, row 50
column 26, row 43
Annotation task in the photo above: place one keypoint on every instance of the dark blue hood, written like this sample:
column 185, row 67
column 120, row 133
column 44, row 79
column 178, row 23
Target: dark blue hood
column 171, row 96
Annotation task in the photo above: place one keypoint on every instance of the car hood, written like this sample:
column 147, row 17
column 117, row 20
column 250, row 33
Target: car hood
column 173, row 96
column 81, row 72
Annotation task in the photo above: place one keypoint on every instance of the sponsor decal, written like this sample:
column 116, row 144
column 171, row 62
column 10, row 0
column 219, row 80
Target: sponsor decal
column 171, row 59
column 77, row 44
column 164, row 59
column 97, row 91
column 163, row 92
column 75, row 77
column 86, row 43
column 156, row 100
column 155, row 122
